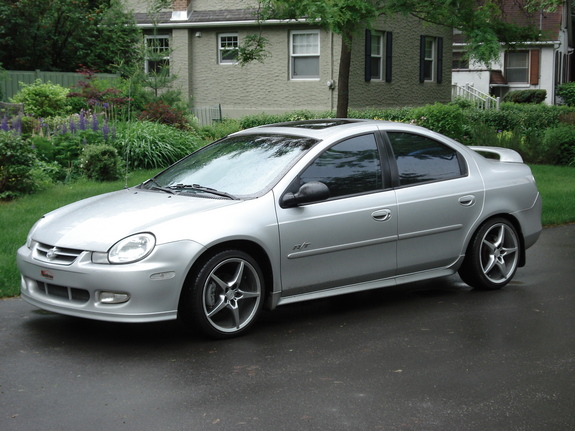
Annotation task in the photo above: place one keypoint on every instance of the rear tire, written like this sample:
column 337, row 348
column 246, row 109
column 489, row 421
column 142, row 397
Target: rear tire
column 224, row 296
column 492, row 255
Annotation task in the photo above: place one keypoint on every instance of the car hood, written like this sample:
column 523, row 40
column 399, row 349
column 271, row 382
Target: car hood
column 99, row 222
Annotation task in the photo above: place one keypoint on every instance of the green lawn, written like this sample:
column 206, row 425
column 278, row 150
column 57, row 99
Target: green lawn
column 556, row 184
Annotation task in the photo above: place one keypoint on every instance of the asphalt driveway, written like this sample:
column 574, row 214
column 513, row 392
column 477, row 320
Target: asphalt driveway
column 427, row 356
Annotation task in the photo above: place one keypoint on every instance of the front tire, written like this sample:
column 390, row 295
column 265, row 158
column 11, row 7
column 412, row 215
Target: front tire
column 224, row 296
column 492, row 256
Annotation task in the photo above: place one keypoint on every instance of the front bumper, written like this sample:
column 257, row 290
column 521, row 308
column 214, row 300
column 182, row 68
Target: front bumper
column 153, row 284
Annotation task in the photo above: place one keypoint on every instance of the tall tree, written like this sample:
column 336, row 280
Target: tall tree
column 481, row 21
column 61, row 34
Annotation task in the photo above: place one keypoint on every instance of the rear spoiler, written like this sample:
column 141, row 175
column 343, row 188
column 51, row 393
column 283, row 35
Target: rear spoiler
column 505, row 154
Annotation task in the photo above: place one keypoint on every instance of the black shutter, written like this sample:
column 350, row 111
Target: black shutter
column 388, row 55
column 422, row 59
column 439, row 60
column 368, row 55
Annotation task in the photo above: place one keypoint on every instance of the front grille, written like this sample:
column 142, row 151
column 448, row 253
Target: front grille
column 62, row 292
column 55, row 255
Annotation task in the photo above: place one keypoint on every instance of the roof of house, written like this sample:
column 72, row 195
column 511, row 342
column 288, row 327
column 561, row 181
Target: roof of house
column 201, row 16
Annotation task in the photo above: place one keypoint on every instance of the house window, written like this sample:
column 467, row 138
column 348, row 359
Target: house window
column 377, row 56
column 459, row 61
column 517, row 66
column 157, row 54
column 227, row 48
column 429, row 59
column 304, row 54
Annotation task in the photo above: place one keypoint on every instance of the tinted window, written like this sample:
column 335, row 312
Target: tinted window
column 350, row 167
column 420, row 159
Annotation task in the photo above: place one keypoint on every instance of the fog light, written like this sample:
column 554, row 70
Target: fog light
column 113, row 297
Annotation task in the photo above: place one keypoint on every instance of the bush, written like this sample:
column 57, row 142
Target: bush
column 164, row 114
column 525, row 96
column 559, row 144
column 149, row 145
column 16, row 163
column 100, row 163
column 566, row 92
column 43, row 99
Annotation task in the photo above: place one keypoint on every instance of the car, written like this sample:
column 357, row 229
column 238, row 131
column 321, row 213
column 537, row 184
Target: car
column 282, row 213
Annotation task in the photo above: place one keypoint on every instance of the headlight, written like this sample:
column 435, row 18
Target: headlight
column 31, row 232
column 132, row 248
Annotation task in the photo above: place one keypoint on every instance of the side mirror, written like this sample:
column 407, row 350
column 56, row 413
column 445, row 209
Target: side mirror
column 309, row 192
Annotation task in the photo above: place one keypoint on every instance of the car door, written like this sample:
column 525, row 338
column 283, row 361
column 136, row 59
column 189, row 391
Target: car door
column 439, row 197
column 348, row 239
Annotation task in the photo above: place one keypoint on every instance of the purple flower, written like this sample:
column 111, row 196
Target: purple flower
column 4, row 126
column 106, row 130
column 95, row 123
column 82, row 124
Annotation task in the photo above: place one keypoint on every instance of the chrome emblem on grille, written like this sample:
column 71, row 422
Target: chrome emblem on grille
column 52, row 253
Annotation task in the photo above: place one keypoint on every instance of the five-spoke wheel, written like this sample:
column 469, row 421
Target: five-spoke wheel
column 226, row 294
column 492, row 256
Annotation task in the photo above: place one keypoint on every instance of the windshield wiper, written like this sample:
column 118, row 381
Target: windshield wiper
column 203, row 189
column 159, row 187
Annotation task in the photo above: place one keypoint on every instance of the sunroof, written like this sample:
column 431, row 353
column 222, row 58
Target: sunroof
column 314, row 124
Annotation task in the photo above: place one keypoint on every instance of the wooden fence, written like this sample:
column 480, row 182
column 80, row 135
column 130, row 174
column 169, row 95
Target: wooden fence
column 10, row 80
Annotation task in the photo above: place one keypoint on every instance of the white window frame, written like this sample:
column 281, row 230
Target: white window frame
column 160, row 48
column 377, row 55
column 294, row 56
column 430, row 57
column 222, row 50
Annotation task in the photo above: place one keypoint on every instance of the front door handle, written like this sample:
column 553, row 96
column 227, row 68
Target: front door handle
column 467, row 201
column 381, row 215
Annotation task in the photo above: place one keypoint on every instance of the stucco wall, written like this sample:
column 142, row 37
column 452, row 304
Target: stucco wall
column 256, row 87
column 404, row 88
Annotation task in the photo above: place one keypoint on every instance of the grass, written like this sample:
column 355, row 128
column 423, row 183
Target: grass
column 556, row 184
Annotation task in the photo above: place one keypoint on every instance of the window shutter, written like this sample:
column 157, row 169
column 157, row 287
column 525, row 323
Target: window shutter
column 388, row 56
column 439, row 60
column 367, row 55
column 534, row 67
column 422, row 59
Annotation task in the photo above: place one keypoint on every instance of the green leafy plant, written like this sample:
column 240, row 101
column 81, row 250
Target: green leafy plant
column 17, row 160
column 43, row 99
column 100, row 163
column 525, row 96
column 566, row 92
column 559, row 142
column 150, row 145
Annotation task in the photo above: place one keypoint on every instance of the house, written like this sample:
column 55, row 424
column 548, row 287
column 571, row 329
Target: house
column 403, row 62
column 544, row 64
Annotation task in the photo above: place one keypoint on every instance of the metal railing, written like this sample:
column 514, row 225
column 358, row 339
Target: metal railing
column 478, row 98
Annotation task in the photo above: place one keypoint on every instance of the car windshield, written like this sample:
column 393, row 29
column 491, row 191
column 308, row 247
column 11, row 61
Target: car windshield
column 237, row 166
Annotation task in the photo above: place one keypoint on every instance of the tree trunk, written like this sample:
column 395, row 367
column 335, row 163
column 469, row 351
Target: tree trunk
column 343, row 80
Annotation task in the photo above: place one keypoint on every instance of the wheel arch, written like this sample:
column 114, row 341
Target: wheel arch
column 250, row 247
column 515, row 222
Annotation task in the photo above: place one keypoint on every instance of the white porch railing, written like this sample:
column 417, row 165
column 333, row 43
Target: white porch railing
column 480, row 99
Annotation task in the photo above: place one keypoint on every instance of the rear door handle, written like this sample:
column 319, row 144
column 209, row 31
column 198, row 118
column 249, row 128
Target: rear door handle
column 467, row 200
column 381, row 215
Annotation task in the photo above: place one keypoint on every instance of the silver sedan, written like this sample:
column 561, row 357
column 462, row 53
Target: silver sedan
column 283, row 213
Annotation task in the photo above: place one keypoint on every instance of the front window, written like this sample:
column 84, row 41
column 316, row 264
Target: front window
column 304, row 53
column 157, row 54
column 348, row 168
column 517, row 66
column 228, row 48
column 242, row 166
column 376, row 56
